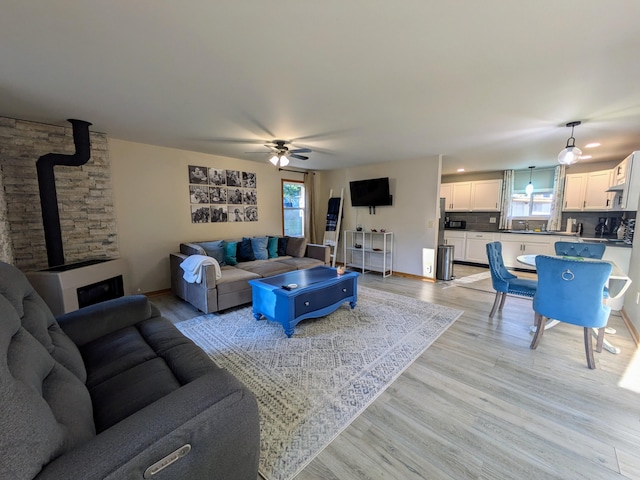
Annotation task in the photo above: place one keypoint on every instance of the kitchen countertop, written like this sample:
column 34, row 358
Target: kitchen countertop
column 611, row 242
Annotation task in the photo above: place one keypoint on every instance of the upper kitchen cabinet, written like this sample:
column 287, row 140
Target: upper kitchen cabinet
column 486, row 195
column 625, row 183
column 588, row 191
column 476, row 196
column 457, row 195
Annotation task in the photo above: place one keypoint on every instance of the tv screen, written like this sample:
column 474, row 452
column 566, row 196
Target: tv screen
column 370, row 193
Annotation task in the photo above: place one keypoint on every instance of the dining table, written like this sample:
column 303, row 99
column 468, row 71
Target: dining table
column 618, row 283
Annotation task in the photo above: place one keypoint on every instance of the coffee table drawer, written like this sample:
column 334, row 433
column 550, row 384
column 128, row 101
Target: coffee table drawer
column 309, row 301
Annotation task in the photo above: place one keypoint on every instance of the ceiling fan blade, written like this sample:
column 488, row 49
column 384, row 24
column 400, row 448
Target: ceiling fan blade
column 301, row 150
column 299, row 157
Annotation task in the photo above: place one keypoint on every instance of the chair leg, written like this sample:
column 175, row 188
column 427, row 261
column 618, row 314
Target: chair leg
column 539, row 322
column 600, row 341
column 495, row 305
column 504, row 297
column 588, row 347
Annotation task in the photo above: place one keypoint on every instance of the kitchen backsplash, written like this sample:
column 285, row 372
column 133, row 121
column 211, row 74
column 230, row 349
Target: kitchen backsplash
column 481, row 221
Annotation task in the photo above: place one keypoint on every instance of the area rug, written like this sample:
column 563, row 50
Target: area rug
column 311, row 386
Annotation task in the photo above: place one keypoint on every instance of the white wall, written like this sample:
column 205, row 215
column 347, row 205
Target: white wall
column 151, row 198
column 413, row 218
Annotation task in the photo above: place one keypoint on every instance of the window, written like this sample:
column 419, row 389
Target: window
column 538, row 205
column 293, row 208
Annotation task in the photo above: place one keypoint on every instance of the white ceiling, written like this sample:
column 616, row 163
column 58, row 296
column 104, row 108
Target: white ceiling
column 489, row 84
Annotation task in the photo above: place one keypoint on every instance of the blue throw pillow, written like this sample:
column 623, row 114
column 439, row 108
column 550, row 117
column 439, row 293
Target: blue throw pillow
column 215, row 249
column 282, row 246
column 259, row 246
column 272, row 247
column 231, row 253
column 245, row 250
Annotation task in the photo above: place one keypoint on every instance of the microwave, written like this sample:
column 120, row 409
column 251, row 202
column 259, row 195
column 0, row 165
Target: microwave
column 456, row 224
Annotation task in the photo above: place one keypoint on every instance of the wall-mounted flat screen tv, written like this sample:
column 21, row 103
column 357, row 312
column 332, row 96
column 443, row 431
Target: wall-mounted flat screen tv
column 370, row 193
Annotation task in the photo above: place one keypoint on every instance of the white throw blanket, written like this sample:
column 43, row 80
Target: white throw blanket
column 193, row 267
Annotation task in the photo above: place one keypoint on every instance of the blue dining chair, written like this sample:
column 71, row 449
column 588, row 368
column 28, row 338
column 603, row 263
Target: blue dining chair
column 504, row 282
column 571, row 291
column 584, row 250
column 575, row 249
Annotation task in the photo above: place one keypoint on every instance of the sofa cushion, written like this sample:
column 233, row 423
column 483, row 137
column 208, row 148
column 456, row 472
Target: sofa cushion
column 231, row 253
column 245, row 250
column 259, row 247
column 300, row 263
column 282, row 246
column 215, row 249
column 266, row 268
column 234, row 279
column 191, row 249
column 296, row 246
column 272, row 247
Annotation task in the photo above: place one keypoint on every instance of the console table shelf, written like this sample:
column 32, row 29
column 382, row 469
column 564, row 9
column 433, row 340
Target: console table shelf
column 369, row 251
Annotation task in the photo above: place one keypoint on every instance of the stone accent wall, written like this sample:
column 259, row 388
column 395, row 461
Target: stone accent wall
column 85, row 196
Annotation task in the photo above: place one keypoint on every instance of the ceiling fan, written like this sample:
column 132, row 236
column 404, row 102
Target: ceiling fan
column 282, row 153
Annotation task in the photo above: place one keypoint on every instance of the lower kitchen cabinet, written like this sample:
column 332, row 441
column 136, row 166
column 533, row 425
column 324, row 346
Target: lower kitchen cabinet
column 458, row 240
column 476, row 246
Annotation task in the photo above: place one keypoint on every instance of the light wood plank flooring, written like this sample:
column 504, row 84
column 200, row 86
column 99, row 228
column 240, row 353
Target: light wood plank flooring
column 479, row 404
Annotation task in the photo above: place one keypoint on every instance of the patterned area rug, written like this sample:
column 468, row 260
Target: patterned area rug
column 311, row 386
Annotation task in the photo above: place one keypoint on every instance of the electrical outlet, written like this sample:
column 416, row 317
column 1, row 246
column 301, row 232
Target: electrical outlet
column 492, row 219
column 430, row 223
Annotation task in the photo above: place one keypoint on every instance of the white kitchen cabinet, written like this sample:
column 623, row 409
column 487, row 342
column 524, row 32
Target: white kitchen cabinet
column 574, row 185
column 514, row 245
column 596, row 196
column 628, row 197
column 476, row 246
column 477, row 196
column 457, row 195
column 588, row 191
column 458, row 240
column 486, row 195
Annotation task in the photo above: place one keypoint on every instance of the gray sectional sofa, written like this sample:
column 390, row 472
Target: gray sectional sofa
column 114, row 391
column 232, row 288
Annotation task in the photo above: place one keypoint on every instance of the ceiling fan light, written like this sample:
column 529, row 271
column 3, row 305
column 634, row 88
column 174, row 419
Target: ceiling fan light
column 284, row 161
column 274, row 160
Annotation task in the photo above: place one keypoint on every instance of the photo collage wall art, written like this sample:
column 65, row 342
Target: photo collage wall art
column 218, row 195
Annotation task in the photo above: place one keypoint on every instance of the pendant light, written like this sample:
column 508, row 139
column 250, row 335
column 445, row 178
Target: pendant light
column 571, row 153
column 529, row 188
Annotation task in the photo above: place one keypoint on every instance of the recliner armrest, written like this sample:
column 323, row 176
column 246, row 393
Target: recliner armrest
column 95, row 321
column 215, row 414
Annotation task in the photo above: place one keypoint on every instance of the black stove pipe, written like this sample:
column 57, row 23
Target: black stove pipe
column 48, row 195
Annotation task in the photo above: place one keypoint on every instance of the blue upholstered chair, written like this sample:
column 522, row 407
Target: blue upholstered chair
column 584, row 250
column 505, row 282
column 575, row 249
column 571, row 291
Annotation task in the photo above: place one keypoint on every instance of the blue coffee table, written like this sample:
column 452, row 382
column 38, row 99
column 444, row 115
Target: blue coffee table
column 318, row 291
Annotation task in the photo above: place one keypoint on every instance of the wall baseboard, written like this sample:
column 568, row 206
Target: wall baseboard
column 632, row 329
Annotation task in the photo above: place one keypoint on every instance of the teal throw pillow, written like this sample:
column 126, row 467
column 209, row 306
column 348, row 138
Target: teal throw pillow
column 231, row 253
column 259, row 247
column 245, row 250
column 272, row 247
column 215, row 249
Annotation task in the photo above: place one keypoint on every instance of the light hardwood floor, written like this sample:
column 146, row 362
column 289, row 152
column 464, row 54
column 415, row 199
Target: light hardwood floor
column 479, row 404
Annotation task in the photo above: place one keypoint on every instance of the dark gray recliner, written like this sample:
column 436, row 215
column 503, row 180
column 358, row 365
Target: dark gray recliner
column 114, row 391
